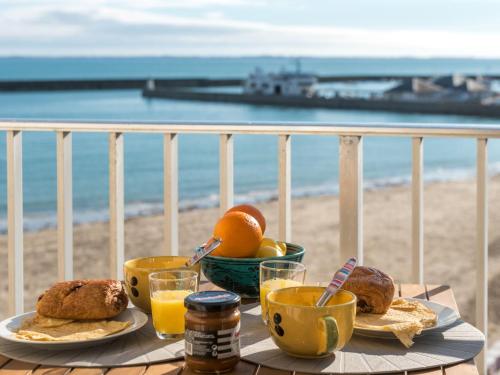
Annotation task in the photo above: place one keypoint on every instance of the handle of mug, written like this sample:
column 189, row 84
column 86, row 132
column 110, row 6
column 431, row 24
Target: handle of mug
column 332, row 333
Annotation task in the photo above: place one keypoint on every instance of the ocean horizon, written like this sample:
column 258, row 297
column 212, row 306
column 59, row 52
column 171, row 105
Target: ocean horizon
column 387, row 161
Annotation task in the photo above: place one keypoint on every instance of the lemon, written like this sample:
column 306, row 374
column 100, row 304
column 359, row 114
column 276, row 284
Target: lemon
column 266, row 241
column 268, row 251
column 282, row 246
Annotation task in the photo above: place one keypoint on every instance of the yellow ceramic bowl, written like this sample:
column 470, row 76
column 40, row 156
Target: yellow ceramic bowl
column 303, row 330
column 137, row 271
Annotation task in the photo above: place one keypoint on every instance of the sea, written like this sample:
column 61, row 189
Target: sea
column 387, row 160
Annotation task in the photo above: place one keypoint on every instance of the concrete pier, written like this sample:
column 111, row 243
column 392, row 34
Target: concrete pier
column 111, row 84
column 372, row 104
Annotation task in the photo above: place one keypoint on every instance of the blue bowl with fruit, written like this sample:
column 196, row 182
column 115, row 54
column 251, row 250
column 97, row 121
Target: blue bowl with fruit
column 241, row 275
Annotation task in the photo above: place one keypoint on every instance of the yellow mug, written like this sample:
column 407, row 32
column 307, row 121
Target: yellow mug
column 303, row 330
column 136, row 272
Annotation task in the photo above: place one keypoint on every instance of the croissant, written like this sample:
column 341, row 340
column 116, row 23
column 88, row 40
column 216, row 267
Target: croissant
column 83, row 299
column 373, row 288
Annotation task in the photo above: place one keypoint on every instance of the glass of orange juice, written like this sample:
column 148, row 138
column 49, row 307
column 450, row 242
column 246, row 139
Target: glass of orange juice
column 278, row 274
column 168, row 290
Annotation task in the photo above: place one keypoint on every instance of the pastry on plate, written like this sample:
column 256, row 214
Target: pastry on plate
column 373, row 288
column 83, row 299
column 76, row 310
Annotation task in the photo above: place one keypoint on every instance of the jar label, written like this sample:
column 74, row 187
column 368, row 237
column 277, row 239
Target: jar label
column 213, row 344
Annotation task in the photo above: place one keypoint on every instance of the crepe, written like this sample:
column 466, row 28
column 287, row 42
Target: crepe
column 405, row 318
column 43, row 321
column 40, row 328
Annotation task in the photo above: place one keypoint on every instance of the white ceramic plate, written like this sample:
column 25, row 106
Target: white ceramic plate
column 9, row 326
column 445, row 317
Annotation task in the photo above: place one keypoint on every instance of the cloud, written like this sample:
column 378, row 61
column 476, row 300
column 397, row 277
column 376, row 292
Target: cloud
column 98, row 27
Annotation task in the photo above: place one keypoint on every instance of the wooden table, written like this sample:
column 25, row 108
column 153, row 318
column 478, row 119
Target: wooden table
column 438, row 293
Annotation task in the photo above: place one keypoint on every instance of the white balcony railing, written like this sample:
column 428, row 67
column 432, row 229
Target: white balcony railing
column 350, row 185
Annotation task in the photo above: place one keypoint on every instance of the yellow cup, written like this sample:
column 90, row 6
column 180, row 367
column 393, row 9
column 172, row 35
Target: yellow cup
column 136, row 272
column 303, row 330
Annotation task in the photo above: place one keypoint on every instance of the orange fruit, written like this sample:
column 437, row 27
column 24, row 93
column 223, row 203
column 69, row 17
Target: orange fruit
column 252, row 211
column 240, row 234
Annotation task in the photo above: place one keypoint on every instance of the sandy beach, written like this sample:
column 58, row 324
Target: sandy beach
column 449, row 241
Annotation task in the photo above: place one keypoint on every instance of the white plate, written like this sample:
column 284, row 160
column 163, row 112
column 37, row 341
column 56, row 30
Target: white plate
column 9, row 326
column 445, row 317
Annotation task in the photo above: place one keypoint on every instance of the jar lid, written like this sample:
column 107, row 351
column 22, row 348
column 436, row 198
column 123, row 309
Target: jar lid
column 212, row 301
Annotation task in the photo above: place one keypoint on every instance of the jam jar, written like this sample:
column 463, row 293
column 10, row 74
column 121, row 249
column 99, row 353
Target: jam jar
column 212, row 335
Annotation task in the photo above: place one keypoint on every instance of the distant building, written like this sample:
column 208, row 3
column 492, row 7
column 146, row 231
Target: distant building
column 280, row 84
column 492, row 100
column 451, row 87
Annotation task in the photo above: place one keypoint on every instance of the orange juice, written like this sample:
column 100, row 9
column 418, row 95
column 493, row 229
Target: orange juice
column 168, row 311
column 273, row 284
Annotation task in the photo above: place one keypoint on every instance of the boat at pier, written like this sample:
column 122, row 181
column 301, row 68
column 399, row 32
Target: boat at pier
column 284, row 83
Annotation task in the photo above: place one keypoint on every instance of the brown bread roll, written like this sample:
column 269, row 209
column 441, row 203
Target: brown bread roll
column 374, row 289
column 83, row 299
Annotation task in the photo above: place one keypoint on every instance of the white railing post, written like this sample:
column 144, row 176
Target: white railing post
column 351, row 197
column 482, row 247
column 116, row 205
column 171, row 194
column 226, row 172
column 15, row 221
column 64, row 206
column 285, row 188
column 417, row 212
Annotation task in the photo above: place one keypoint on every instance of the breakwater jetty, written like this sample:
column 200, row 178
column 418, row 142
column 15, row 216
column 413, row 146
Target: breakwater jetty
column 371, row 104
column 188, row 82
column 185, row 89
column 111, row 84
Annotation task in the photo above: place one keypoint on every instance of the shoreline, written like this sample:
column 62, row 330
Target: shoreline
column 138, row 209
column 449, row 233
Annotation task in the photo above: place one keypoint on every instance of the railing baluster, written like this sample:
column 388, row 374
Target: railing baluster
column 482, row 246
column 226, row 172
column 15, row 221
column 171, row 193
column 116, row 205
column 351, row 197
column 285, row 188
column 417, row 211
column 64, row 206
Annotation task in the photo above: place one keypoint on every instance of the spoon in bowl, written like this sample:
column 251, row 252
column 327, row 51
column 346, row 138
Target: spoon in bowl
column 338, row 280
column 202, row 251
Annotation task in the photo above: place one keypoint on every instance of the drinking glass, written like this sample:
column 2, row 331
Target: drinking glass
column 168, row 290
column 277, row 274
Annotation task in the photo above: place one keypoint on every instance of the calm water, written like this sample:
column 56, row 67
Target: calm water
column 314, row 159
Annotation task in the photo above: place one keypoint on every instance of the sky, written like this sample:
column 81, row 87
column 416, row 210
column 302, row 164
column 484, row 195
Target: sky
column 378, row 28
